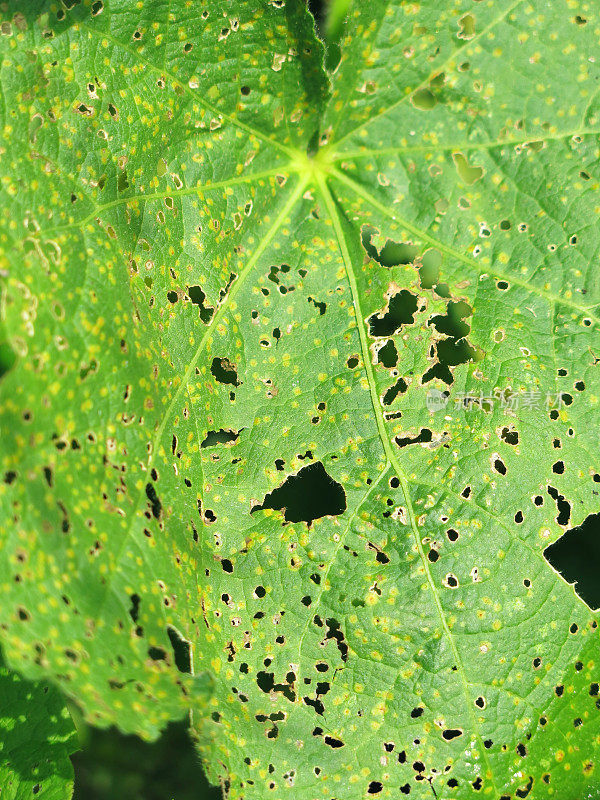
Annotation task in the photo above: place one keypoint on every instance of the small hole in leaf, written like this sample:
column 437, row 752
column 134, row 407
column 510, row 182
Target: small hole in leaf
column 392, row 254
column 423, row 437
column 509, row 436
column 451, row 733
column 499, row 467
column 423, row 99
column 198, row 297
column 392, row 393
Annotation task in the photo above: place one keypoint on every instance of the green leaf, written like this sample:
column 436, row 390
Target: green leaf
column 307, row 382
column 36, row 739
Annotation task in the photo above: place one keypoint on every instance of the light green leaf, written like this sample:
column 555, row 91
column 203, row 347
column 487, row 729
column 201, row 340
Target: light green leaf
column 302, row 420
column 36, row 739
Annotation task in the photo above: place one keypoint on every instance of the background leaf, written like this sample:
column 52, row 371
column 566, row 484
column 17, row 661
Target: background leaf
column 36, row 739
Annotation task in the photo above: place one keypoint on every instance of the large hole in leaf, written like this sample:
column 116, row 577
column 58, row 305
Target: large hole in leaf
column 198, row 297
column 429, row 271
column 221, row 436
column 423, row 437
column 181, row 650
column 467, row 173
column 309, row 495
column 453, row 322
column 392, row 254
column 576, row 556
column 455, row 349
column 224, row 371
column 392, row 393
column 423, row 99
column 388, row 355
column 401, row 310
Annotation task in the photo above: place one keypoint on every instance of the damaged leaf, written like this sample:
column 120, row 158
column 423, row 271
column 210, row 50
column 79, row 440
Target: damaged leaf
column 305, row 385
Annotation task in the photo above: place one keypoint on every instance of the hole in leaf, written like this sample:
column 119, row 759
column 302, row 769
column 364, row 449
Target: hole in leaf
column 309, row 495
column 422, row 438
column 401, row 310
column 456, row 349
column 467, row 27
column 181, row 650
column 221, row 436
column 576, row 556
column 466, row 173
column 224, row 371
column 563, row 507
column 429, row 271
column 157, row 653
column 423, row 99
column 335, row 632
column 510, row 436
column 388, row 355
column 198, row 297
column 452, row 324
column 134, row 610
column 122, row 182
column 392, row 393
column 392, row 254
column 322, row 307
column 451, row 733
column 155, row 503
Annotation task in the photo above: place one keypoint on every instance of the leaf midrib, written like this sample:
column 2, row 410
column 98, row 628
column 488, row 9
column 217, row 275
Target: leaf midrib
column 436, row 71
column 185, row 378
column 489, row 269
column 196, row 96
column 162, row 195
column 294, row 167
column 365, row 152
column 393, row 460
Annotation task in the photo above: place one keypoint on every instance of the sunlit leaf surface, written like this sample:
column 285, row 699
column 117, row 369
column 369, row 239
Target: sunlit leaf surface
column 306, row 383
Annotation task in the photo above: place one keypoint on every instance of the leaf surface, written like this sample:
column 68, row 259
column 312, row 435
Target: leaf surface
column 307, row 382
column 36, row 739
